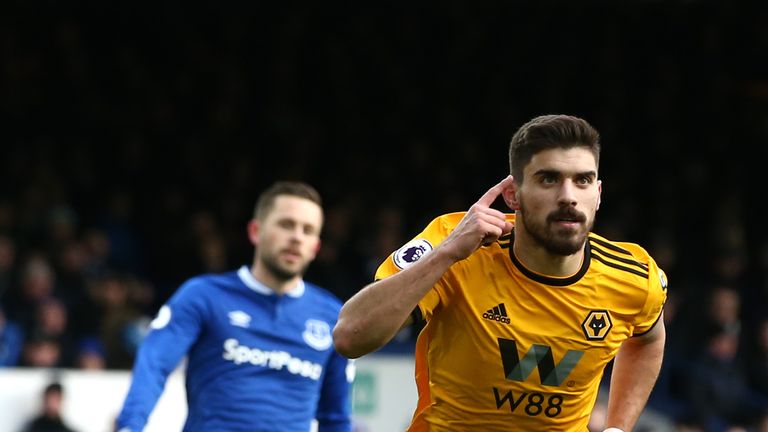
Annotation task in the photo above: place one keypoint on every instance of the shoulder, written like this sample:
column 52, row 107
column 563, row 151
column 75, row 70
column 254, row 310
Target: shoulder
column 626, row 258
column 206, row 284
column 448, row 219
column 620, row 249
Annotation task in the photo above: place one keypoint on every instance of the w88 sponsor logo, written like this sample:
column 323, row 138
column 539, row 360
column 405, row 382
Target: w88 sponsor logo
column 533, row 403
column 278, row 360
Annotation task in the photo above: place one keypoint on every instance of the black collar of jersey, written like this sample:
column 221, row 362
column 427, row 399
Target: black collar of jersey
column 546, row 279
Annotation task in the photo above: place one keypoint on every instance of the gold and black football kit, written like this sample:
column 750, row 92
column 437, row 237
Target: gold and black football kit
column 507, row 349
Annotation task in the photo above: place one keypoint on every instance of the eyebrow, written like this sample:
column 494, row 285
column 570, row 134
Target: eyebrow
column 549, row 172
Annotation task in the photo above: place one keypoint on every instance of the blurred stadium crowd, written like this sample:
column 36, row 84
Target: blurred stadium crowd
column 134, row 146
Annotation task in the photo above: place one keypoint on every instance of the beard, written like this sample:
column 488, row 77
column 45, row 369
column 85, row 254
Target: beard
column 280, row 271
column 558, row 241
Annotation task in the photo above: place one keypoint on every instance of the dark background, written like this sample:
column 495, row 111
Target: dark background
column 157, row 126
column 152, row 117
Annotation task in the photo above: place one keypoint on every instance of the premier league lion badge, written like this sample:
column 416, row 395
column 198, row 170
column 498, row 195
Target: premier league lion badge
column 411, row 252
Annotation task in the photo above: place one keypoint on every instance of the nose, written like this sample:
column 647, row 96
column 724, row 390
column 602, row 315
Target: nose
column 298, row 234
column 567, row 194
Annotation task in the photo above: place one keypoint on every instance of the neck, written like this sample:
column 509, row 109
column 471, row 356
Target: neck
column 277, row 284
column 536, row 258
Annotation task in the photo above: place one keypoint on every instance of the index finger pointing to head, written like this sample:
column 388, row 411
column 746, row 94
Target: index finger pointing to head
column 489, row 197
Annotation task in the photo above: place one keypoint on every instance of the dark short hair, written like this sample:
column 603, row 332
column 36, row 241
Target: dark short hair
column 548, row 132
column 292, row 188
column 54, row 387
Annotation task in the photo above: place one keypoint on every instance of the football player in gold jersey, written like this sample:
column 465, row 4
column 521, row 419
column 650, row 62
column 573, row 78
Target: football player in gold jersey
column 523, row 311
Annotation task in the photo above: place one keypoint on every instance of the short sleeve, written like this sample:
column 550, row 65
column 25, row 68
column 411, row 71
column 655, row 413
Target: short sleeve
column 421, row 245
column 654, row 303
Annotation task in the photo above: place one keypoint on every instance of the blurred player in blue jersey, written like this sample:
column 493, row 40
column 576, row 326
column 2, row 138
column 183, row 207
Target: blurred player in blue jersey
column 258, row 340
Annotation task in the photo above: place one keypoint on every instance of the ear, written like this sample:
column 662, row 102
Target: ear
column 510, row 196
column 599, row 193
column 254, row 227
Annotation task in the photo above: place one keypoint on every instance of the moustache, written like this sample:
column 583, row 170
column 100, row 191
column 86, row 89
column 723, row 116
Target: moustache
column 567, row 214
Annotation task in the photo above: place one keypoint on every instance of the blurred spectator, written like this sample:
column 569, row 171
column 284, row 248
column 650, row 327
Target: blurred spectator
column 62, row 228
column 118, row 225
column 719, row 386
column 722, row 310
column 71, row 264
column 725, row 309
column 50, row 417
column 7, row 216
column 211, row 250
column 90, row 354
column 51, row 319
column 11, row 341
column 42, row 350
column 37, row 284
column 87, row 313
column 7, row 265
column 669, row 398
column 121, row 323
column 757, row 361
column 99, row 249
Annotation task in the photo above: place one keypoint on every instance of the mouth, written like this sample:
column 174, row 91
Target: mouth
column 291, row 255
column 567, row 224
column 568, row 220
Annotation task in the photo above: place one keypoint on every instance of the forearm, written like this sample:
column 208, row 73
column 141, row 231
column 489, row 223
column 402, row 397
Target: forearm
column 635, row 371
column 373, row 316
column 148, row 378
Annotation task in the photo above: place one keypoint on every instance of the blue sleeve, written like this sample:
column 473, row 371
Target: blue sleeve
column 334, row 407
column 172, row 333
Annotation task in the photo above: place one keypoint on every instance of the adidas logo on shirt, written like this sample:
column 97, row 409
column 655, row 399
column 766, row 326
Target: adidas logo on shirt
column 497, row 313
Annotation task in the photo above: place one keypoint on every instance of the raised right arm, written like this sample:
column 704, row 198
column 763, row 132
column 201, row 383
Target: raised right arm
column 373, row 316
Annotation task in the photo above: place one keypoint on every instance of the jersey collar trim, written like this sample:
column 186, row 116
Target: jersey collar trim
column 552, row 281
column 247, row 277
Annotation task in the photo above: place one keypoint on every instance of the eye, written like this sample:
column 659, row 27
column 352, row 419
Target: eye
column 584, row 180
column 548, row 179
column 285, row 223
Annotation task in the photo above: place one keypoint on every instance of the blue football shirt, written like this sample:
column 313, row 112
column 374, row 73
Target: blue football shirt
column 257, row 361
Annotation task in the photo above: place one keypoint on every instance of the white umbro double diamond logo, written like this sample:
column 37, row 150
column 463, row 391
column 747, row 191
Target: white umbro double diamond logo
column 497, row 313
column 239, row 319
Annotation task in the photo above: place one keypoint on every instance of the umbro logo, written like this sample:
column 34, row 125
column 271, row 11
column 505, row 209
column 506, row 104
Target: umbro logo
column 239, row 319
column 497, row 313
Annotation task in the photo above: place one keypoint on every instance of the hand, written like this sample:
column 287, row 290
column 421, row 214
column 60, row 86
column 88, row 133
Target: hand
column 481, row 226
